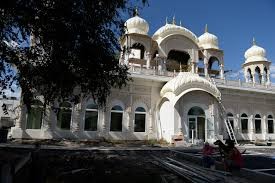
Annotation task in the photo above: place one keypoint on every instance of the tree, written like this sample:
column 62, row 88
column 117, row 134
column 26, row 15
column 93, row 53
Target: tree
column 57, row 46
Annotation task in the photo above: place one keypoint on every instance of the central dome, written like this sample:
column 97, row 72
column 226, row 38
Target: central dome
column 255, row 53
column 170, row 29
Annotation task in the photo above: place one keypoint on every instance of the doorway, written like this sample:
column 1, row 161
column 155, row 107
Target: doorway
column 196, row 123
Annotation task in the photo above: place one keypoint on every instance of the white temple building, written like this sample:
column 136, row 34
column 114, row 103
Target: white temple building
column 178, row 92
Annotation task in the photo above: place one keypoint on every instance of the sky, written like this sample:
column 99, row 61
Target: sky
column 234, row 22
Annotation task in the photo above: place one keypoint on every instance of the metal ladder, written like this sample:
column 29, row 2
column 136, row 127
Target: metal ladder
column 227, row 123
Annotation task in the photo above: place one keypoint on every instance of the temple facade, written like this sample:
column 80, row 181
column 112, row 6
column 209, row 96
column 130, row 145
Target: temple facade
column 178, row 92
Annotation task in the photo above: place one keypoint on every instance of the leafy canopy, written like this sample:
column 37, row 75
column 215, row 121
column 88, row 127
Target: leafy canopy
column 57, row 46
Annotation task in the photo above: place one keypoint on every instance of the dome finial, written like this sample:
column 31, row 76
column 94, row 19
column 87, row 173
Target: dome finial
column 166, row 20
column 180, row 22
column 174, row 20
column 254, row 41
column 206, row 28
column 180, row 68
column 136, row 11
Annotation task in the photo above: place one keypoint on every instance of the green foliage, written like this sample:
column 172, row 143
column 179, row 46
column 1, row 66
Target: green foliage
column 62, row 45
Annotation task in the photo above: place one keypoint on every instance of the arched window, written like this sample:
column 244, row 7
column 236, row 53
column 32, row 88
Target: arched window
column 258, row 77
column 137, row 51
column 270, row 124
column 196, row 111
column 35, row 115
column 116, row 118
column 91, row 117
column 258, row 121
column 140, row 118
column 265, row 74
column 201, row 67
column 250, row 77
column 244, row 123
column 231, row 119
column 64, row 116
column 213, row 67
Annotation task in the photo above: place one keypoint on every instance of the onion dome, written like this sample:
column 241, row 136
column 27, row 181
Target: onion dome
column 170, row 29
column 208, row 41
column 136, row 25
column 255, row 53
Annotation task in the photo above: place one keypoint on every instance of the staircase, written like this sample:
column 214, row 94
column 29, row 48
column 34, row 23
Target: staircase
column 223, row 115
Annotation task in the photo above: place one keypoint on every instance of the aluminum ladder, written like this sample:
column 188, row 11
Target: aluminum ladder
column 227, row 123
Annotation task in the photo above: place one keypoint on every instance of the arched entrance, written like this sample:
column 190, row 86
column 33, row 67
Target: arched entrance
column 196, row 123
column 176, row 58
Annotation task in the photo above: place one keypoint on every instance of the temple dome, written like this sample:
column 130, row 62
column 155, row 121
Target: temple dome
column 170, row 29
column 208, row 40
column 136, row 25
column 255, row 53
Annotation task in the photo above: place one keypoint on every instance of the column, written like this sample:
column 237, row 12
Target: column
column 246, row 76
column 193, row 67
column 128, row 119
column 148, row 60
column 126, row 58
column 253, row 77
column 237, row 124
column 205, row 61
column 221, row 71
column 180, row 126
column 250, row 127
column 76, row 117
column 268, row 77
column 21, row 121
column 121, row 58
column 47, row 119
column 150, row 122
column 49, row 122
column 263, row 78
column 105, row 117
column 264, row 127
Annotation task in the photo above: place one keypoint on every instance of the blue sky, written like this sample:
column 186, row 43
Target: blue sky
column 234, row 22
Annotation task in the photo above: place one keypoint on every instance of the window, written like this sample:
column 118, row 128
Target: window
column 91, row 117
column 35, row 115
column 116, row 118
column 140, row 117
column 244, row 123
column 231, row 119
column 258, row 122
column 64, row 116
column 196, row 111
column 270, row 124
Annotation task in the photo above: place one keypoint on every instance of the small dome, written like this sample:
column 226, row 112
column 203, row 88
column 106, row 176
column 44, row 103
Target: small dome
column 169, row 29
column 255, row 53
column 136, row 25
column 207, row 40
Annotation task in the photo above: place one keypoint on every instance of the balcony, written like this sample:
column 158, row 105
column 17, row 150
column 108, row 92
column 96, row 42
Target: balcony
column 157, row 73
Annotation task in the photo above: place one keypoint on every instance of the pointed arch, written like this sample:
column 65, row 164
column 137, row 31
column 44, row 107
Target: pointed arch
column 257, row 75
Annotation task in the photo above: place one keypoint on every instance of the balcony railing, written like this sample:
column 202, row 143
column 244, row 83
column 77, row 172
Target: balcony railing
column 142, row 70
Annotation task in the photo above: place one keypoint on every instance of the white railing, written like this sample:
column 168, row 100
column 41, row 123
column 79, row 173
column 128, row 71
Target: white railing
column 135, row 69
